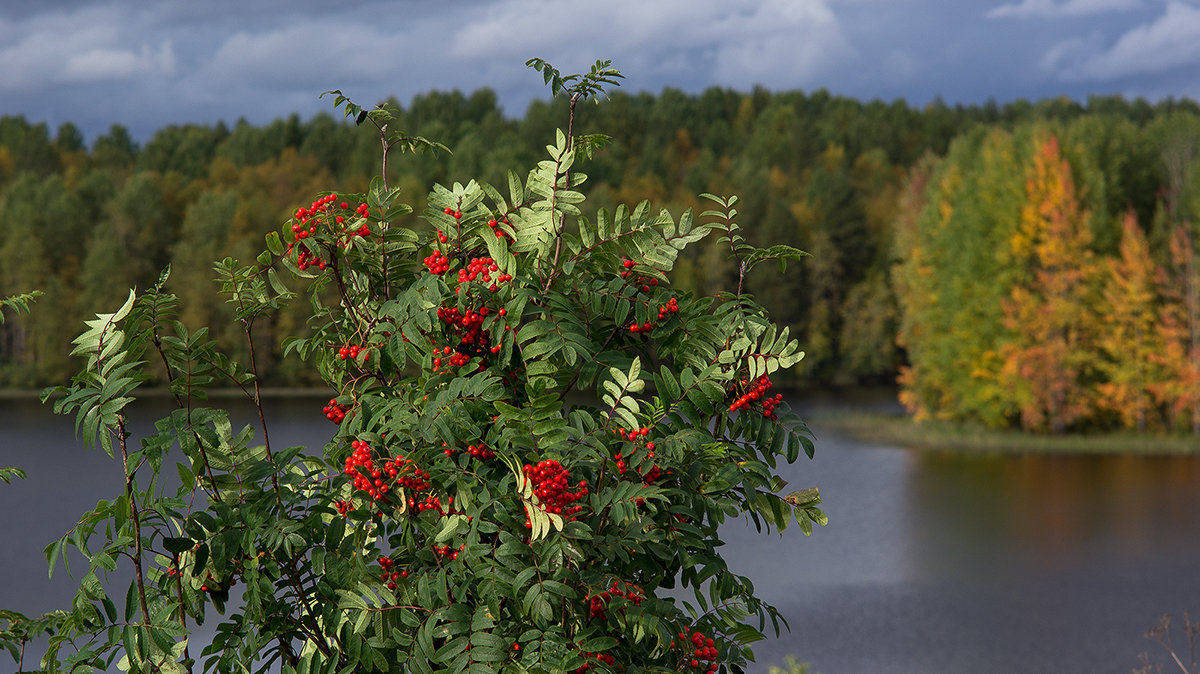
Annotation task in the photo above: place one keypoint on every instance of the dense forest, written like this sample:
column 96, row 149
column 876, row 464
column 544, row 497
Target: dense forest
column 1026, row 264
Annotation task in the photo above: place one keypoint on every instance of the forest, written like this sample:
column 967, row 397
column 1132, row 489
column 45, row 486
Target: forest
column 1030, row 264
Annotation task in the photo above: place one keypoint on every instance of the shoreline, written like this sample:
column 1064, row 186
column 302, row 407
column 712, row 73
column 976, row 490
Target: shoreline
column 942, row 436
column 835, row 413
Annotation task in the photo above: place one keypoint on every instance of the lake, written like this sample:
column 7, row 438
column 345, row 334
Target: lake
column 932, row 562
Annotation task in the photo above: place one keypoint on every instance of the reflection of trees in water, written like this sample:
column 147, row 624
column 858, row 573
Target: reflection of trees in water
column 995, row 514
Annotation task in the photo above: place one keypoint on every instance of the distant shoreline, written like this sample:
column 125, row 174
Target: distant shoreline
column 900, row 430
column 837, row 414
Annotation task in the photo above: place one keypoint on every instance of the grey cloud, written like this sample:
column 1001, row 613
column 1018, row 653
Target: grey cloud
column 1049, row 9
column 148, row 64
column 787, row 43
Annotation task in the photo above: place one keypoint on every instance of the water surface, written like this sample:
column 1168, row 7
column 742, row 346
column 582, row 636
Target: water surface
column 932, row 562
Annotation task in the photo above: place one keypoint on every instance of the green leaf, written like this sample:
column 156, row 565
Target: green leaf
column 178, row 545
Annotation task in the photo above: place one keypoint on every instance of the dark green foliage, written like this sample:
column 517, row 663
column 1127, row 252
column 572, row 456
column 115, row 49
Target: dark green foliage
column 434, row 531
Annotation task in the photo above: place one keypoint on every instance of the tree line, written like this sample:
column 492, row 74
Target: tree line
column 1040, row 286
column 932, row 257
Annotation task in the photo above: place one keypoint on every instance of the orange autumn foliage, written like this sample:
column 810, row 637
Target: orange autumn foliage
column 1050, row 313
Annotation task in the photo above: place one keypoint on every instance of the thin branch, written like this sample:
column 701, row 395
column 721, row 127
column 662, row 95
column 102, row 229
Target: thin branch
column 122, row 435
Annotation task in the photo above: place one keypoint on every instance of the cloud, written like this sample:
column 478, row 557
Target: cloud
column 1169, row 42
column 788, row 43
column 93, row 44
column 106, row 63
column 1049, row 9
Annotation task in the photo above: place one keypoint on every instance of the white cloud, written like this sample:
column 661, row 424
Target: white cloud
column 1049, row 9
column 1171, row 41
column 106, row 63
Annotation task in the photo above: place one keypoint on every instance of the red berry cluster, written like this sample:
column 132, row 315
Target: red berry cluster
column 479, row 451
column 334, row 412
column 351, row 351
column 457, row 215
column 376, row 482
column 550, row 481
column 367, row 477
column 430, row 502
column 500, row 233
column 671, row 307
column 632, row 434
column 388, row 574
column 448, row 552
column 644, row 283
column 436, row 262
column 635, row 435
column 307, row 259
column 653, row 474
column 467, row 329
column 343, row 506
column 598, row 602
column 699, row 652
column 483, row 268
column 756, row 392
column 599, row 657
column 307, row 220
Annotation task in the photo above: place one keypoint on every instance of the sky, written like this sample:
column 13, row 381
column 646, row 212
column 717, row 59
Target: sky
column 146, row 64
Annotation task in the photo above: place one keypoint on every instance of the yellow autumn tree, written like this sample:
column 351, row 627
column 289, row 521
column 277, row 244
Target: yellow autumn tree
column 1050, row 312
column 1131, row 342
column 1180, row 330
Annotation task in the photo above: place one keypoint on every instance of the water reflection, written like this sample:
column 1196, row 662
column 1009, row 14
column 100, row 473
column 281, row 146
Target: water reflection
column 1011, row 515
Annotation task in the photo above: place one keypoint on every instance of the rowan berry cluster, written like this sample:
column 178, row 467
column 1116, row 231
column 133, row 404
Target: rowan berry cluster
column 643, row 283
column 447, row 551
column 598, row 603
column 351, row 351
column 430, row 502
column 598, row 657
column 651, row 475
column 334, row 412
column 389, row 575
column 769, row 405
column 756, row 392
column 633, row 434
column 307, row 259
column 500, row 233
column 671, row 307
column 699, row 652
column 436, row 262
column 482, row 268
column 550, row 482
column 378, row 482
column 324, row 210
column 481, row 452
column 472, row 340
column 362, row 468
